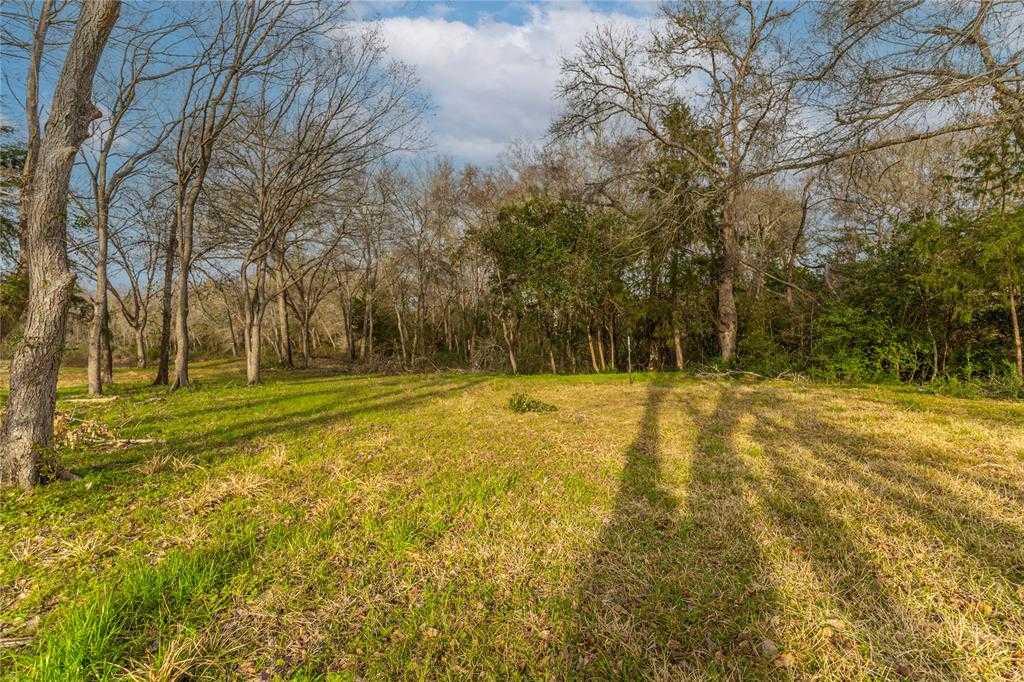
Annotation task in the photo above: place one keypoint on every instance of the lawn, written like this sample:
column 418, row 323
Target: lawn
column 415, row 526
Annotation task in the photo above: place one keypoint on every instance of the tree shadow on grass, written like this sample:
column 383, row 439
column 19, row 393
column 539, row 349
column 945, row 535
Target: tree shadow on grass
column 673, row 591
column 908, row 483
column 207, row 447
column 136, row 606
column 801, row 457
column 247, row 399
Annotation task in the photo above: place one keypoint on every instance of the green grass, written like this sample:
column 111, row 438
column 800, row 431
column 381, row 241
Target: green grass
column 416, row 527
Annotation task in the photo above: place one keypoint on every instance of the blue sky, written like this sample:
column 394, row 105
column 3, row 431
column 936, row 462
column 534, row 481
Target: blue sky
column 491, row 68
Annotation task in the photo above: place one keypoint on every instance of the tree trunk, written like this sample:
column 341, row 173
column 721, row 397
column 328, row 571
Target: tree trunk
column 346, row 314
column 551, row 359
column 590, row 343
column 181, row 337
column 98, row 324
column 600, row 349
column 252, row 331
column 304, row 330
column 27, row 426
column 1015, row 323
column 611, row 346
column 108, row 350
column 164, row 362
column 234, row 336
column 727, row 318
column 677, row 341
column 510, row 344
column 282, row 316
column 401, row 331
column 140, row 347
column 368, row 330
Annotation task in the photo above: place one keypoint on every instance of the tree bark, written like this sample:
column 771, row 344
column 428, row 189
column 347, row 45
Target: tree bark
column 611, row 345
column 510, row 344
column 253, row 326
column 345, row 302
column 27, row 426
column 307, row 356
column 590, row 344
column 234, row 336
column 181, row 337
column 282, row 316
column 108, row 349
column 727, row 318
column 140, row 347
column 98, row 324
column 677, row 340
column 1015, row 323
column 163, row 365
column 401, row 331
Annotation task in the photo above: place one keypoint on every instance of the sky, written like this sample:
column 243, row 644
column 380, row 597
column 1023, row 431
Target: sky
column 491, row 69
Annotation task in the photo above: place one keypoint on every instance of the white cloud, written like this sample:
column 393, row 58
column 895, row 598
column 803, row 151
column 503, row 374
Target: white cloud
column 493, row 82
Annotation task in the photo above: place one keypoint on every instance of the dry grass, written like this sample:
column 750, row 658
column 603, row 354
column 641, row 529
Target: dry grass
column 417, row 527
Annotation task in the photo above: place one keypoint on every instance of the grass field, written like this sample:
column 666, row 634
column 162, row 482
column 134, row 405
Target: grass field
column 416, row 527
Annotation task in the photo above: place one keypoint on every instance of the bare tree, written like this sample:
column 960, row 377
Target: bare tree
column 309, row 277
column 914, row 69
column 734, row 58
column 137, row 255
column 28, row 421
column 299, row 150
column 247, row 40
column 139, row 63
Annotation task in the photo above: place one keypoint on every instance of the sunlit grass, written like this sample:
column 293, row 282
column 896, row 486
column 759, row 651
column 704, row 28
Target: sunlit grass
column 416, row 526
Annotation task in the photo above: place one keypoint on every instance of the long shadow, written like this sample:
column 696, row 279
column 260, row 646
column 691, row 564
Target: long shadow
column 250, row 398
column 734, row 599
column 207, row 447
column 947, row 514
column 664, row 594
column 131, row 619
column 941, row 459
column 806, row 512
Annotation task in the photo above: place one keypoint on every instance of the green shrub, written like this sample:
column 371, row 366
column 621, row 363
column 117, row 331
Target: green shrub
column 520, row 403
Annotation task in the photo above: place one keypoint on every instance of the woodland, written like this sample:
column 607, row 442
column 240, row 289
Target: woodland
column 831, row 189
column 720, row 379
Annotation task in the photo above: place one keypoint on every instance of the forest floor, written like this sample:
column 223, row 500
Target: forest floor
column 416, row 527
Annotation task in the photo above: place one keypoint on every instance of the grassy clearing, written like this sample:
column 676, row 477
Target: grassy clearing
column 416, row 526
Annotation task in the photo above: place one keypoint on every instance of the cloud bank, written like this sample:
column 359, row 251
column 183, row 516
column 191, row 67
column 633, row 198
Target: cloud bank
column 493, row 82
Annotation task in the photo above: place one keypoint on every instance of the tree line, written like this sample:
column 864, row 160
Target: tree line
column 834, row 188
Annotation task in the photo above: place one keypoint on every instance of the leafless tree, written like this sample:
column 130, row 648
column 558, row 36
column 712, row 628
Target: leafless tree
column 299, row 148
column 137, row 256
column 125, row 138
column 900, row 70
column 735, row 58
column 247, row 41
column 28, row 421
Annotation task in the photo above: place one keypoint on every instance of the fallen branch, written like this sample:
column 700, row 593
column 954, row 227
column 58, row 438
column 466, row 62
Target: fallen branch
column 101, row 399
column 728, row 373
